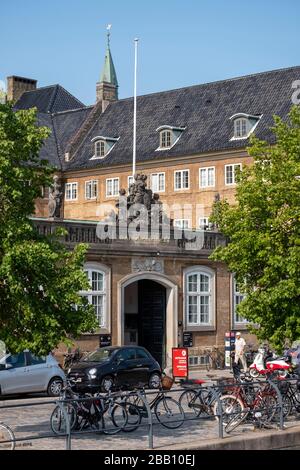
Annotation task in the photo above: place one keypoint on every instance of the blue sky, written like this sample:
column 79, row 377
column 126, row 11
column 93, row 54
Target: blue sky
column 182, row 42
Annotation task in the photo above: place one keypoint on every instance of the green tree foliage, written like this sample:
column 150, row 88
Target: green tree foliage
column 39, row 278
column 263, row 229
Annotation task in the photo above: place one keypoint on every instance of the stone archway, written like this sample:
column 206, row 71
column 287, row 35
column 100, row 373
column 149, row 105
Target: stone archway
column 171, row 334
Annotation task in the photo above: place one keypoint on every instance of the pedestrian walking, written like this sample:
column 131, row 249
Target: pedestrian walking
column 240, row 345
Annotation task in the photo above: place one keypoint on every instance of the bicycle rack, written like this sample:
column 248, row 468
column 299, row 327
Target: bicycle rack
column 60, row 404
column 150, row 421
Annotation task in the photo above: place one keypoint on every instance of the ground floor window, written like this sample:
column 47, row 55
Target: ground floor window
column 237, row 299
column 199, row 298
column 96, row 295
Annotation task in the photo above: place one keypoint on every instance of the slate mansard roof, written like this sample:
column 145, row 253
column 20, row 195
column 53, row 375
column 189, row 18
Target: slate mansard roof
column 203, row 110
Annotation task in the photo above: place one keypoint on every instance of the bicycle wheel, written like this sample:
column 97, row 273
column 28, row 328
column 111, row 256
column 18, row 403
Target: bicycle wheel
column 134, row 416
column 265, row 408
column 169, row 413
column 58, row 421
column 287, row 406
column 232, row 411
column 137, row 401
column 115, row 418
column 295, row 398
column 197, row 402
column 188, row 403
column 7, row 438
column 205, row 402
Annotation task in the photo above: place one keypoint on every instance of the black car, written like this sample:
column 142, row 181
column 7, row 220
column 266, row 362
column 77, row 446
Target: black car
column 114, row 368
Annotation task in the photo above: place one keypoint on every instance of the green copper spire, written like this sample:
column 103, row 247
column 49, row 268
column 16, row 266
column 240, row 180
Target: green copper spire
column 108, row 73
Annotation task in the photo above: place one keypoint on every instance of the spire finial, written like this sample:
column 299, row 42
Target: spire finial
column 108, row 73
column 108, row 35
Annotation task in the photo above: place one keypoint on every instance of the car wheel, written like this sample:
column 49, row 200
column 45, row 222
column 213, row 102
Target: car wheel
column 154, row 380
column 107, row 383
column 55, row 387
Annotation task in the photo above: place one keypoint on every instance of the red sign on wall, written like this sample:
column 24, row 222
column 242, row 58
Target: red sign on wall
column 180, row 359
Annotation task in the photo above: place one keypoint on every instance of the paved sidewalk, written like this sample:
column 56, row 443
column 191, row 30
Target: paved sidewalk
column 34, row 421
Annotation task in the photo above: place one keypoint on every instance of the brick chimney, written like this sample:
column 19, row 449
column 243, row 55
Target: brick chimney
column 16, row 86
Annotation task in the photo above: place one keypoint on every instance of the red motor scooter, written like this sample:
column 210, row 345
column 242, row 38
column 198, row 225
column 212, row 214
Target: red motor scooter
column 265, row 362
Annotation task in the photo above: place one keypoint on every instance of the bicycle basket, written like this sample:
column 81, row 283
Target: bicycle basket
column 167, row 382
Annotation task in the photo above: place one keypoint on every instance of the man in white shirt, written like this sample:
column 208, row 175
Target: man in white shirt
column 240, row 345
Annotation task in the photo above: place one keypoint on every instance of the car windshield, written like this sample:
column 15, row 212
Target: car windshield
column 100, row 355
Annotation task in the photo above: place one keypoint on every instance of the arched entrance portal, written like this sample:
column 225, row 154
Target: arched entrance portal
column 148, row 314
column 145, row 317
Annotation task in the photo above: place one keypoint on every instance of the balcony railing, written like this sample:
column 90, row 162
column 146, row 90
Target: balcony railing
column 77, row 231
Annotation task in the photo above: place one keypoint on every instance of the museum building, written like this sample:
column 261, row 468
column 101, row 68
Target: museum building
column 191, row 143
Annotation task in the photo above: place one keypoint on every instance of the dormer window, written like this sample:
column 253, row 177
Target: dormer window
column 102, row 146
column 99, row 149
column 165, row 139
column 243, row 125
column 240, row 128
column 168, row 136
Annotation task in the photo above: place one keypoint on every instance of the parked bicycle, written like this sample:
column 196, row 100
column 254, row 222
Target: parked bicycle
column 167, row 410
column 290, row 392
column 198, row 400
column 99, row 412
column 247, row 400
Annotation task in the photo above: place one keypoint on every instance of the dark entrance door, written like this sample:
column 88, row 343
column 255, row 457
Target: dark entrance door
column 152, row 318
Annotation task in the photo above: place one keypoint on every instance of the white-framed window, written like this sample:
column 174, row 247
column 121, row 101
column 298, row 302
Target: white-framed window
column 165, row 139
column 182, row 223
column 241, row 128
column 237, row 299
column 199, row 297
column 207, row 177
column 102, row 146
column 203, row 223
column 231, row 172
column 100, row 149
column 168, row 136
column 181, row 179
column 158, row 182
column 91, row 189
column 96, row 295
column 71, row 193
column 112, row 187
column 130, row 180
column 99, row 292
column 244, row 125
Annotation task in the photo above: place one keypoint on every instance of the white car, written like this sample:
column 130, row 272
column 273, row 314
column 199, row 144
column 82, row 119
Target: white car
column 27, row 373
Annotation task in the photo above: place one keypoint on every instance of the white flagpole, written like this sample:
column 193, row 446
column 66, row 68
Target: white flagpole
column 134, row 110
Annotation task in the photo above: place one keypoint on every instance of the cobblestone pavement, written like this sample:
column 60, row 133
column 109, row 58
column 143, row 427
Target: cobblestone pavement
column 34, row 421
